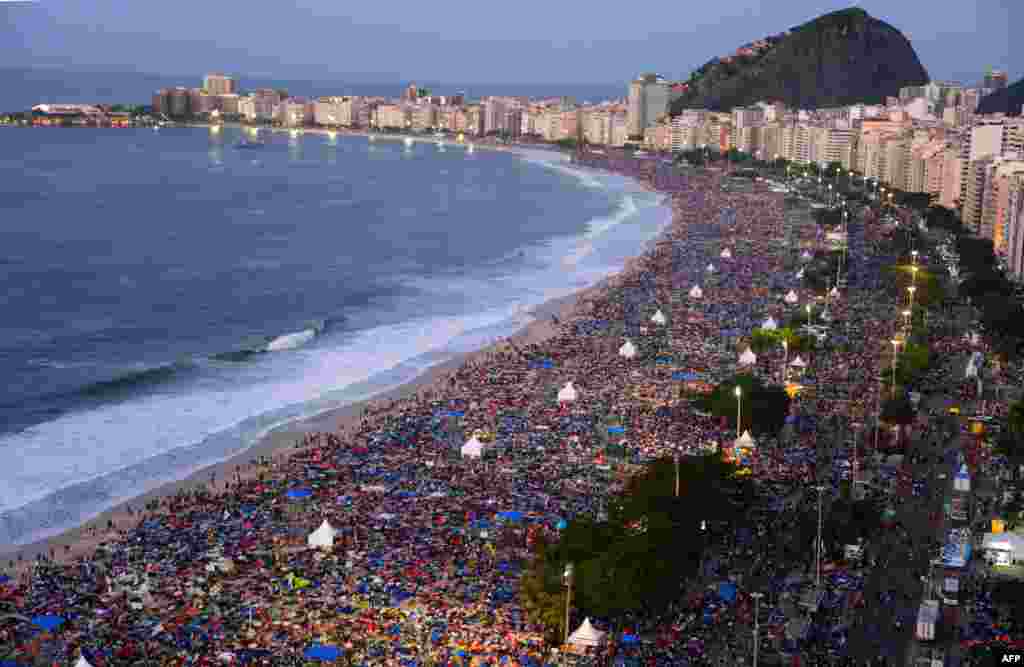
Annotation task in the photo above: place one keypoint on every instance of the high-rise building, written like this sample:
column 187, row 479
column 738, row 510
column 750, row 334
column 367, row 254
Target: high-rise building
column 1015, row 226
column 649, row 98
column 219, row 84
column 995, row 199
column 995, row 79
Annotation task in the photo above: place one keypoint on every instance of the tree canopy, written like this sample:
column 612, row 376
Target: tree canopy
column 763, row 407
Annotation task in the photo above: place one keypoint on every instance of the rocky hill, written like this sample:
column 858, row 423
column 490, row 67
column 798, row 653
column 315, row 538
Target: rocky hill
column 1008, row 100
column 840, row 58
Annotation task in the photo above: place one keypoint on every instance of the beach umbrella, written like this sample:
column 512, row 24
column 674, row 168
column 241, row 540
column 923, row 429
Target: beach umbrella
column 322, row 537
column 770, row 324
column 748, row 358
column 791, row 298
column 696, row 292
column 659, row 318
column 568, row 393
column 628, row 350
column 711, row 268
column 726, row 254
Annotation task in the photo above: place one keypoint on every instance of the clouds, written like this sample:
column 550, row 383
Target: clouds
column 467, row 40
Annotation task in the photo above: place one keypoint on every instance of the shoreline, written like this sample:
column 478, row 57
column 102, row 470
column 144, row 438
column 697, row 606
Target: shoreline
column 282, row 441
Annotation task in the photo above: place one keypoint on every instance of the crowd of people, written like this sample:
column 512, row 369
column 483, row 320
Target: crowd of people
column 430, row 546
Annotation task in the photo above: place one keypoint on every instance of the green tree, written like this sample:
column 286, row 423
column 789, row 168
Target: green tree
column 913, row 361
column 898, row 411
column 764, row 407
column 541, row 596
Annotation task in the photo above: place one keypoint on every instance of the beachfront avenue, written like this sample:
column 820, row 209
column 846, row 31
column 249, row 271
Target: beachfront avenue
column 780, row 465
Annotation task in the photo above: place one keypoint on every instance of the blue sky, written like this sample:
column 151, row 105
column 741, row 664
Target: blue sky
column 525, row 41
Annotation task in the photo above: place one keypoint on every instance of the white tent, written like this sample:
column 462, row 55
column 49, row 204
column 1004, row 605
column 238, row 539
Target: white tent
column 748, row 358
column 770, row 324
column 806, row 256
column 322, row 537
column 745, row 440
column 659, row 318
column 696, row 292
column 791, row 298
column 711, row 268
column 82, row 662
column 473, row 448
column 1006, row 548
column 586, row 635
column 628, row 350
column 800, row 274
column 798, row 362
column 568, row 393
column 726, row 254
column 972, row 370
column 834, row 293
column 962, row 480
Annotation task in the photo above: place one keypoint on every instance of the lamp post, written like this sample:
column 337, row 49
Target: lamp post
column 567, row 575
column 808, row 309
column 913, row 254
column 739, row 413
column 895, row 351
column 757, row 624
column 817, row 547
column 906, row 319
column 912, row 289
column 675, row 457
column 785, row 363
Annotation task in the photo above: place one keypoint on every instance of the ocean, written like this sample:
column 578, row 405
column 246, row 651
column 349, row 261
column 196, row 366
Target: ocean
column 170, row 297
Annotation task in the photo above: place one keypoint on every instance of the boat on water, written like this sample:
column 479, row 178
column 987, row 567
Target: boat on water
column 408, row 142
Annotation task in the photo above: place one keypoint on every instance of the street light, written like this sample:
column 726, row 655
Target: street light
column 895, row 350
column 906, row 319
column 808, row 308
column 817, row 582
column 912, row 289
column 913, row 253
column 785, row 363
column 757, row 625
column 567, row 575
column 913, row 274
column 739, row 402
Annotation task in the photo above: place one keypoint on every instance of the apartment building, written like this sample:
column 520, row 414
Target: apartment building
column 393, row 116
column 995, row 198
column 423, row 117
column 649, row 97
column 1014, row 225
column 337, row 111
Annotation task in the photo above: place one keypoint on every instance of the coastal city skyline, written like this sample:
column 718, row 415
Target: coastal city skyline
column 58, row 34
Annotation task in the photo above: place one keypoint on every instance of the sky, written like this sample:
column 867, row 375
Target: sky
column 528, row 41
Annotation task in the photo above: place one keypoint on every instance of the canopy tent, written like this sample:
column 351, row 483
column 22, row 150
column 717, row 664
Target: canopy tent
column 711, row 268
column 962, row 480
column 726, row 254
column 798, row 362
column 659, row 318
column 568, row 393
column 586, row 635
column 770, row 324
column 1004, row 548
column 473, row 449
column 745, row 441
column 696, row 292
column 628, row 350
column 82, row 662
column 791, row 298
column 748, row 358
column 299, row 493
column 322, row 537
column 48, row 622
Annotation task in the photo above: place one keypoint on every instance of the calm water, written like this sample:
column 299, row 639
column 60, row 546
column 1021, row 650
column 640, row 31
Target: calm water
column 168, row 297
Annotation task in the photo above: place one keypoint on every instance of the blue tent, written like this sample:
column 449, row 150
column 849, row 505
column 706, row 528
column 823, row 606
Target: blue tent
column 616, row 429
column 511, row 515
column 48, row 622
column 562, row 524
column 727, row 591
column 299, row 493
column 630, row 639
column 456, row 413
column 685, row 377
column 4, row 578
column 323, row 652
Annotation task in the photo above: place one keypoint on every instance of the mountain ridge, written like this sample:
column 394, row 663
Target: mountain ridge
column 1008, row 100
column 839, row 58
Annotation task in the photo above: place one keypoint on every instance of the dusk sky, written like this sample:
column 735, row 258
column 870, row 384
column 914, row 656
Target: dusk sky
column 529, row 41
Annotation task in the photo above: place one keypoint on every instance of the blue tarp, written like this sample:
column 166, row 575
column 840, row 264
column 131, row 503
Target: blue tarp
column 511, row 515
column 630, row 639
column 456, row 413
column 48, row 622
column 299, row 493
column 562, row 525
column 727, row 591
column 685, row 377
column 616, row 429
column 322, row 652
